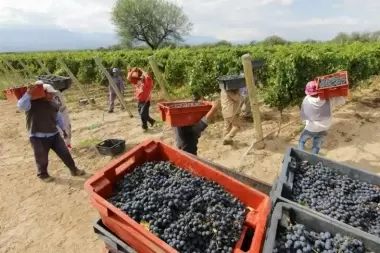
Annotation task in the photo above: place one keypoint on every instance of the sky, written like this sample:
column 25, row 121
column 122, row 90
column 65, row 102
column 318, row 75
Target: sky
column 233, row 20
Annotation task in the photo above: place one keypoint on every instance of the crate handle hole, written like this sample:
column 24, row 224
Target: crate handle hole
column 247, row 240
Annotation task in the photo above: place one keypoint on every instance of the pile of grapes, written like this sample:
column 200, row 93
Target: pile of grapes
column 298, row 239
column 332, row 81
column 348, row 200
column 185, row 104
column 189, row 213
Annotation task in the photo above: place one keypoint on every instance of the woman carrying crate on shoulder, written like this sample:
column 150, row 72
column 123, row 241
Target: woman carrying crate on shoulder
column 317, row 113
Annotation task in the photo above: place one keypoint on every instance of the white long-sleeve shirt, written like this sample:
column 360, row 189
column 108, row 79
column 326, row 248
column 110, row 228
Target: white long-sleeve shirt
column 322, row 125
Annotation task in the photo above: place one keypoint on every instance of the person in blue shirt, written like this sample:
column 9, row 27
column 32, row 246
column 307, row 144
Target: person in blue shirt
column 42, row 118
column 118, row 80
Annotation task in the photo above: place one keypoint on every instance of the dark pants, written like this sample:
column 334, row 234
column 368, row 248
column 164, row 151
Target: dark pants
column 41, row 148
column 143, row 108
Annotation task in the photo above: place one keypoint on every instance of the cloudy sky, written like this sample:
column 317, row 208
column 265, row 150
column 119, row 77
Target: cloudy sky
column 222, row 19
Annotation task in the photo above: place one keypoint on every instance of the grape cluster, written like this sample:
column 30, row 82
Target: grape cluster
column 332, row 81
column 299, row 239
column 184, row 104
column 348, row 200
column 189, row 213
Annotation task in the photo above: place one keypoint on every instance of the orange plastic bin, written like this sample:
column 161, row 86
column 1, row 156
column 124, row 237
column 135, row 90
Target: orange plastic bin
column 183, row 116
column 100, row 185
column 333, row 85
column 14, row 94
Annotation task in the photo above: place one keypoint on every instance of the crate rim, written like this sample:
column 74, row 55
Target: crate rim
column 120, row 142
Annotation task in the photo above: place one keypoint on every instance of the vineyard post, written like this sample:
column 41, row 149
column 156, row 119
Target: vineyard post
column 248, row 73
column 43, row 66
column 75, row 80
column 6, row 76
column 18, row 77
column 26, row 68
column 157, row 73
column 113, row 84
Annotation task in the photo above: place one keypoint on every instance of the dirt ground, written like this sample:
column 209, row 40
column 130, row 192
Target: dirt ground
column 57, row 217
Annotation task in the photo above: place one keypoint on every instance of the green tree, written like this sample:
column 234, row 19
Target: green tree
column 274, row 40
column 223, row 43
column 342, row 38
column 152, row 22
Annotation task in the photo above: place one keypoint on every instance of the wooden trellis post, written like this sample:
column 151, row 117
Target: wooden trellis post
column 158, row 75
column 43, row 66
column 113, row 84
column 252, row 92
column 75, row 80
column 17, row 76
column 2, row 68
column 26, row 69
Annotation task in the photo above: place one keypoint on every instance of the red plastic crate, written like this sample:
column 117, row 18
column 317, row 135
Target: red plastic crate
column 185, row 116
column 14, row 94
column 100, row 185
column 340, row 89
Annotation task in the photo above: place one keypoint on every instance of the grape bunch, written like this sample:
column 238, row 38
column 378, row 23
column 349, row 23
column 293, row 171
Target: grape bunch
column 299, row 239
column 189, row 213
column 185, row 104
column 348, row 200
column 332, row 81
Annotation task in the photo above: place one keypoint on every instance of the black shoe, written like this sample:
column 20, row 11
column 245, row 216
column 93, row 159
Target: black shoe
column 78, row 173
column 47, row 179
column 110, row 111
column 152, row 123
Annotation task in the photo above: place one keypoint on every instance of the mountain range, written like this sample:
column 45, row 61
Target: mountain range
column 25, row 38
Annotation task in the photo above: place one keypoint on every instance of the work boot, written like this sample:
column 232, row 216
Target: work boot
column 227, row 141
column 78, row 173
column 47, row 179
column 248, row 118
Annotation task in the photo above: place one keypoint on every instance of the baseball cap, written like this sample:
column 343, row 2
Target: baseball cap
column 311, row 88
column 49, row 89
column 114, row 70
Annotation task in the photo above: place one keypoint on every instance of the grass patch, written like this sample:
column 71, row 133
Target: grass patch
column 89, row 142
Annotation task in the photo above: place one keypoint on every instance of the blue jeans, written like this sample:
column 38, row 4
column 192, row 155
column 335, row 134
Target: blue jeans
column 317, row 140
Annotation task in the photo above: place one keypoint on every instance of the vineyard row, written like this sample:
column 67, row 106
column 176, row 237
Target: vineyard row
column 284, row 75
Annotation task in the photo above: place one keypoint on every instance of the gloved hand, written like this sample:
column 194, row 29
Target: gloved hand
column 244, row 92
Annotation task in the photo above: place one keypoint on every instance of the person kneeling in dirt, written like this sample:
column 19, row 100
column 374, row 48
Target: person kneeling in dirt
column 186, row 137
column 143, row 84
column 42, row 118
column 246, row 112
column 317, row 113
column 231, row 102
column 112, row 94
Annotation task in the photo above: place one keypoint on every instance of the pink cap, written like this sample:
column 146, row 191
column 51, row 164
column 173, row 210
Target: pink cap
column 311, row 88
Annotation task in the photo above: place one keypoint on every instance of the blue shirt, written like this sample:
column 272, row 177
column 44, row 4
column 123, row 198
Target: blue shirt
column 24, row 104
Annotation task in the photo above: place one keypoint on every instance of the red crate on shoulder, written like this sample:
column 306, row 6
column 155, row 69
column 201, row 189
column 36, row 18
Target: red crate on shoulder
column 14, row 94
column 100, row 186
column 183, row 113
column 333, row 85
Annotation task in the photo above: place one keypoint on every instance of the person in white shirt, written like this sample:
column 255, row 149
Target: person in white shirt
column 317, row 113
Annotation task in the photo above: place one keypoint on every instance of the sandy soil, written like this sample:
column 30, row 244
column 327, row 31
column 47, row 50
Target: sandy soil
column 57, row 217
